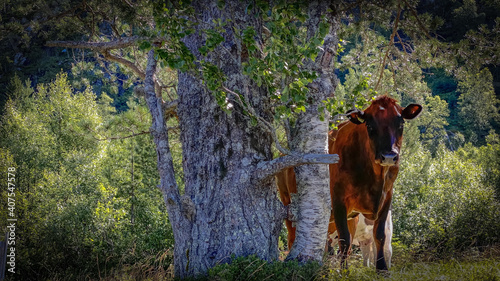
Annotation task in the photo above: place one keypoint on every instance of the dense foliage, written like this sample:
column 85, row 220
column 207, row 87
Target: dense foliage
column 87, row 198
column 84, row 202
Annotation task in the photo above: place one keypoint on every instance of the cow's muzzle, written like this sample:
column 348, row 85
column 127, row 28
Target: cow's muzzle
column 388, row 159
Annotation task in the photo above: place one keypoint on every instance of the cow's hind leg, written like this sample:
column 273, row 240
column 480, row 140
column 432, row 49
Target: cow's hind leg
column 340, row 215
column 291, row 233
column 331, row 240
column 286, row 185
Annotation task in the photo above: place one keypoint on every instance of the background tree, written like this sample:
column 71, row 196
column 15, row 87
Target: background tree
column 478, row 105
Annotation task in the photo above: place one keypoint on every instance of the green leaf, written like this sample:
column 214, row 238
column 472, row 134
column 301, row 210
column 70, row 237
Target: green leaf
column 145, row 45
column 221, row 4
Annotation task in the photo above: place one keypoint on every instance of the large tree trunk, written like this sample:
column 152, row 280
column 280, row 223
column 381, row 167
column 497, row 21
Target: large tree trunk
column 310, row 135
column 224, row 211
column 231, row 215
column 229, row 206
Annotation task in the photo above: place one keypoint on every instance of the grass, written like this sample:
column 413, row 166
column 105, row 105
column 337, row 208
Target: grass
column 488, row 269
column 472, row 265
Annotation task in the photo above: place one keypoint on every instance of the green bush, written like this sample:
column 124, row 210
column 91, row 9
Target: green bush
column 85, row 204
column 445, row 203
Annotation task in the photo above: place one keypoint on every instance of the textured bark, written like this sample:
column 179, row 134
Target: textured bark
column 229, row 206
column 310, row 135
column 231, row 216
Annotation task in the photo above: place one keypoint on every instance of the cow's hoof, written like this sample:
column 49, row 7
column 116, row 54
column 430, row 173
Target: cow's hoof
column 384, row 273
column 331, row 250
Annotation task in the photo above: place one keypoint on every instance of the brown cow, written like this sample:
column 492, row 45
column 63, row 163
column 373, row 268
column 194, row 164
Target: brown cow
column 361, row 182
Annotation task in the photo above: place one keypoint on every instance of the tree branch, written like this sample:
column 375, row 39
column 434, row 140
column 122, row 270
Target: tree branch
column 414, row 13
column 261, row 121
column 99, row 46
column 107, row 55
column 391, row 42
column 125, row 137
column 133, row 135
column 105, row 47
column 159, row 131
column 266, row 169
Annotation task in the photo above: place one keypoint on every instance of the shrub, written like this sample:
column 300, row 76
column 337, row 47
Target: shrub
column 444, row 203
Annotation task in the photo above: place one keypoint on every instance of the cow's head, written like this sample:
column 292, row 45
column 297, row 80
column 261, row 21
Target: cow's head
column 384, row 120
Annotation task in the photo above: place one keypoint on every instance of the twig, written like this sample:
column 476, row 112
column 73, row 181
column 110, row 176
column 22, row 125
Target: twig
column 391, row 42
column 125, row 137
column 414, row 13
column 402, row 44
column 100, row 46
column 336, row 118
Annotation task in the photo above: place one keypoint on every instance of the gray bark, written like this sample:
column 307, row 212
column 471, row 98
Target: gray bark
column 229, row 205
column 220, row 214
column 231, row 216
column 310, row 135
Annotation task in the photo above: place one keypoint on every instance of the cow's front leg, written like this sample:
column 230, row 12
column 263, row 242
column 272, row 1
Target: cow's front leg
column 340, row 215
column 379, row 234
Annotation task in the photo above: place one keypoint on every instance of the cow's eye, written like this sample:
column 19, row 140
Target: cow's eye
column 401, row 125
column 369, row 128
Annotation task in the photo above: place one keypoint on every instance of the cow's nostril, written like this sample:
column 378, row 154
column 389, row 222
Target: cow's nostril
column 389, row 159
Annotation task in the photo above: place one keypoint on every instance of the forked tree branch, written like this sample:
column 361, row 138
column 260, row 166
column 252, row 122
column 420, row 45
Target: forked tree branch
column 132, row 66
column 105, row 49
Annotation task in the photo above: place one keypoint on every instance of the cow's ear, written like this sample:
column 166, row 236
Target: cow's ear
column 356, row 116
column 411, row 111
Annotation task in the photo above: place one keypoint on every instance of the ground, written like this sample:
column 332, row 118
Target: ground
column 474, row 264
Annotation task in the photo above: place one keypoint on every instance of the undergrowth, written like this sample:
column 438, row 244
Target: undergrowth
column 407, row 264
